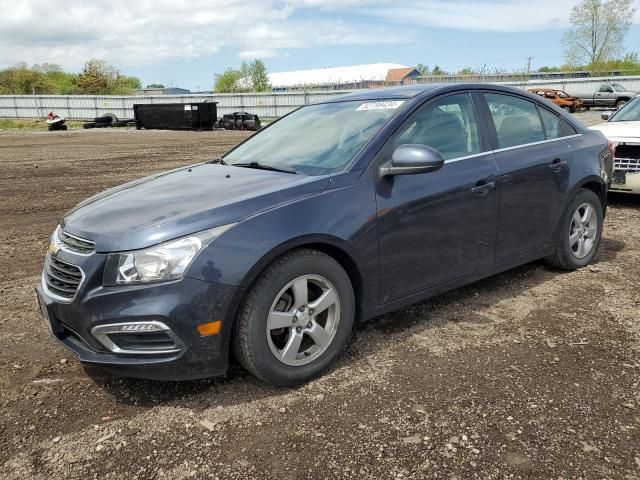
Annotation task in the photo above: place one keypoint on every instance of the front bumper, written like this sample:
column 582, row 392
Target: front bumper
column 631, row 183
column 179, row 305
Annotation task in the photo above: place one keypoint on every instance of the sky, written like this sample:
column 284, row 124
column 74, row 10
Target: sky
column 184, row 43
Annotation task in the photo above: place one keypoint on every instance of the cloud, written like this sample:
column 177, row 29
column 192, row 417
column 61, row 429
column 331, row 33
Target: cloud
column 135, row 32
column 148, row 32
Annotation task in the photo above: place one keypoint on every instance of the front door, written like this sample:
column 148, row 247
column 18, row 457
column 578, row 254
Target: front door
column 439, row 226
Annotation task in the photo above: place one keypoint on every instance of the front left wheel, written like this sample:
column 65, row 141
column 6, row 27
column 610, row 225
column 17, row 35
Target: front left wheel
column 296, row 318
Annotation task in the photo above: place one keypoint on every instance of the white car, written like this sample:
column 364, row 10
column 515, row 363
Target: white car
column 623, row 129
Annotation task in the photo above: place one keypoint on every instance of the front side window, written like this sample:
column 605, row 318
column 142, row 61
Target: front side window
column 448, row 124
column 516, row 120
column 317, row 139
column 606, row 89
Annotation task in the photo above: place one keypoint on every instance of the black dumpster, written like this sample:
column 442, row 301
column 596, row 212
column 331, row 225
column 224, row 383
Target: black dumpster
column 176, row 116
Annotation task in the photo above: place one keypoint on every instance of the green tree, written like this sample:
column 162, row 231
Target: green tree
column 597, row 31
column 99, row 77
column 548, row 69
column 423, row 69
column 250, row 77
column 227, row 82
column 467, row 71
column 155, row 85
column 259, row 78
column 437, row 71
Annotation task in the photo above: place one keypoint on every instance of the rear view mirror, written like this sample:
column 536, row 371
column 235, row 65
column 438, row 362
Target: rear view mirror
column 606, row 115
column 412, row 159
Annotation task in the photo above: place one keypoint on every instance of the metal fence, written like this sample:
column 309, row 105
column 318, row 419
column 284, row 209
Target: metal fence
column 266, row 105
column 85, row 107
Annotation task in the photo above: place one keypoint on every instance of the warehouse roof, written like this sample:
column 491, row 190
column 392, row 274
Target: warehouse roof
column 333, row 75
column 398, row 74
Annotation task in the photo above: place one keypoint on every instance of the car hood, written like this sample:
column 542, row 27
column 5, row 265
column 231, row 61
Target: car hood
column 180, row 202
column 620, row 131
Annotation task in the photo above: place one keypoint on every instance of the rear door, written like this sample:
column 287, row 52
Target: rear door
column 533, row 172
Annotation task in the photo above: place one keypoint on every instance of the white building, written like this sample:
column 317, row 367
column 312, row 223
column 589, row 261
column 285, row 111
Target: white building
column 357, row 76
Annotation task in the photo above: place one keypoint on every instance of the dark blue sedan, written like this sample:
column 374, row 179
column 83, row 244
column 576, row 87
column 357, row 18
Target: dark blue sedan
column 339, row 212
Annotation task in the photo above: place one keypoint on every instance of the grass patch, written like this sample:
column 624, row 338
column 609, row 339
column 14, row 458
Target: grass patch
column 33, row 125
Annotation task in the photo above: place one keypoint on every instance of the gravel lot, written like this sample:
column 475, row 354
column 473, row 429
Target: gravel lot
column 531, row 373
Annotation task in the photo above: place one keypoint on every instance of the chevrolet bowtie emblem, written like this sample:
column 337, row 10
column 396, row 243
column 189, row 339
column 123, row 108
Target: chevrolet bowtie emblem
column 53, row 248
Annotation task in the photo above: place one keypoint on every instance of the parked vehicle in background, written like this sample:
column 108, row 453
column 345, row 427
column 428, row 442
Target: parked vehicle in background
column 623, row 130
column 607, row 95
column 276, row 249
column 560, row 98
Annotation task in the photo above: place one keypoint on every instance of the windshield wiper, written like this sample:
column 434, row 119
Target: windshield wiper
column 262, row 166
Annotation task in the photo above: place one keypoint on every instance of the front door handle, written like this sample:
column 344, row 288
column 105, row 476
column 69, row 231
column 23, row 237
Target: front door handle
column 482, row 188
column 557, row 165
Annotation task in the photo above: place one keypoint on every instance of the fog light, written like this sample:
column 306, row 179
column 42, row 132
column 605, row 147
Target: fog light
column 142, row 327
column 211, row 328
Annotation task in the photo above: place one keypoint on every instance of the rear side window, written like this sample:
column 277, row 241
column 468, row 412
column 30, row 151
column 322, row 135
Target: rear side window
column 516, row 120
column 551, row 123
column 566, row 129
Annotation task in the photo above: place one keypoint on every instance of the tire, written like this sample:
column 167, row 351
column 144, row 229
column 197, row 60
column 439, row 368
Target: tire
column 89, row 125
column 63, row 127
column 105, row 119
column 620, row 104
column 261, row 344
column 579, row 241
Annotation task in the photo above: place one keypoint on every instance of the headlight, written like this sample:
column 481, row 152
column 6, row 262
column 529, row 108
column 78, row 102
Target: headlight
column 160, row 263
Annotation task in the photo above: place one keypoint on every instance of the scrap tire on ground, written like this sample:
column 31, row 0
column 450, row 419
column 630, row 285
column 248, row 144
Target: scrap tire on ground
column 89, row 125
column 565, row 257
column 104, row 119
column 252, row 341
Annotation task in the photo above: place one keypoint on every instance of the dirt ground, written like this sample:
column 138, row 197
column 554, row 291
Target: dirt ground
column 533, row 373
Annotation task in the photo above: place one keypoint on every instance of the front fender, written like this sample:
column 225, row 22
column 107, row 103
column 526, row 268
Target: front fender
column 341, row 218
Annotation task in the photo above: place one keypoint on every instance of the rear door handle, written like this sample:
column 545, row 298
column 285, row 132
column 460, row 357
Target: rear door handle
column 557, row 165
column 482, row 188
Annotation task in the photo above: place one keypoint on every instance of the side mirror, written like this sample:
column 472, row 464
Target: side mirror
column 606, row 115
column 411, row 159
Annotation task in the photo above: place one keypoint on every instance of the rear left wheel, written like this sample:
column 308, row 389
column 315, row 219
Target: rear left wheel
column 296, row 318
column 581, row 231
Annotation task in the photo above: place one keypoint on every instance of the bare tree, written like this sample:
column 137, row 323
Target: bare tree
column 597, row 31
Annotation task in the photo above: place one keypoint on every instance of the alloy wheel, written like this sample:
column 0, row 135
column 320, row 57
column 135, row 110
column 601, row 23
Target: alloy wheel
column 303, row 320
column 583, row 230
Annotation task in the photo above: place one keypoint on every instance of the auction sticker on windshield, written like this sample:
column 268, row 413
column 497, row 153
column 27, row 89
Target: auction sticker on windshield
column 388, row 105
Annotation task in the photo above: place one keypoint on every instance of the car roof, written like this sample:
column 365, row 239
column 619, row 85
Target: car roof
column 407, row 91
column 412, row 91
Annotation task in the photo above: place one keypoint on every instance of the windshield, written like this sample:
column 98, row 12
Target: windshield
column 618, row 87
column 317, row 139
column 629, row 113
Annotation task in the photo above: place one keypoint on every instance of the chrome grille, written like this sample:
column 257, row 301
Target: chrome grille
column 627, row 158
column 631, row 165
column 77, row 244
column 63, row 279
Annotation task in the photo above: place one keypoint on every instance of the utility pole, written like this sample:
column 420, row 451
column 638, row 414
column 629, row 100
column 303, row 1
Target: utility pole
column 529, row 64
